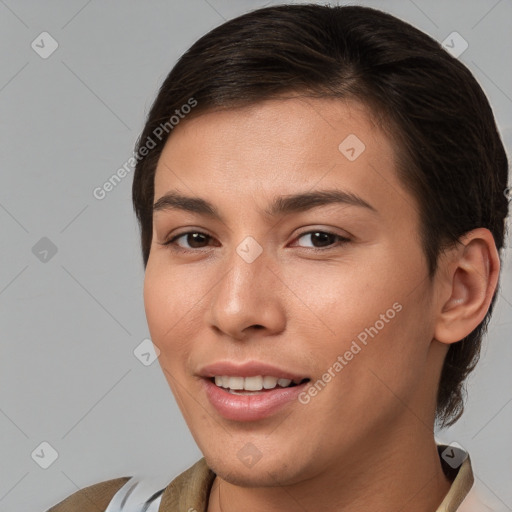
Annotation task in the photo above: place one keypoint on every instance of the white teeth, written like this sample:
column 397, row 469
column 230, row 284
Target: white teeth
column 255, row 383
column 235, row 382
column 269, row 382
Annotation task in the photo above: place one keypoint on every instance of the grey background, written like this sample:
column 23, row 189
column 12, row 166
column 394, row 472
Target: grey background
column 70, row 324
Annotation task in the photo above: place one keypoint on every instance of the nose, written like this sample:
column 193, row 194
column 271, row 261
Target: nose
column 249, row 296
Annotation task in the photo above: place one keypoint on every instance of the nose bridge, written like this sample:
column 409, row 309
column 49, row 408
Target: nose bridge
column 244, row 297
column 249, row 250
column 248, row 265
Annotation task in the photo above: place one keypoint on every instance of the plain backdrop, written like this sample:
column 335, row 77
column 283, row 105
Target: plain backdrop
column 74, row 396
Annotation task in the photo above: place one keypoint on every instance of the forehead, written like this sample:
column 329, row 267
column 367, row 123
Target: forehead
column 281, row 146
column 285, row 123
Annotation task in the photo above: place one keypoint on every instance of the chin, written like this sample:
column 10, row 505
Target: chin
column 251, row 477
column 268, row 471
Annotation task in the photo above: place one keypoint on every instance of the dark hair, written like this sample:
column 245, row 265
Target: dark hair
column 449, row 152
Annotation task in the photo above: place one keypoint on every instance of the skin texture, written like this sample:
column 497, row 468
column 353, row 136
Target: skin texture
column 365, row 442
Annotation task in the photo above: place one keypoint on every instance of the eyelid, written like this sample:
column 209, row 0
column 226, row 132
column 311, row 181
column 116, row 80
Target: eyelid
column 341, row 240
column 170, row 241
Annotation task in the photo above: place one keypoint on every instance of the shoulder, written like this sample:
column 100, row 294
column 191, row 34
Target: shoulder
column 91, row 499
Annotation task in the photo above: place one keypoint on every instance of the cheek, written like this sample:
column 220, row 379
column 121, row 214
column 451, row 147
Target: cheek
column 156, row 304
column 367, row 311
column 173, row 308
column 339, row 300
column 164, row 305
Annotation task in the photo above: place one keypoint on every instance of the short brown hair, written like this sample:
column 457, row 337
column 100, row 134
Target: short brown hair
column 449, row 152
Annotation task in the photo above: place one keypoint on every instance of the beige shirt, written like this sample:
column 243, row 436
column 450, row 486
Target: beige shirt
column 190, row 490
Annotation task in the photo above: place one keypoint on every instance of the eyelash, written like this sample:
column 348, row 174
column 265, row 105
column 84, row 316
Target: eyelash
column 173, row 246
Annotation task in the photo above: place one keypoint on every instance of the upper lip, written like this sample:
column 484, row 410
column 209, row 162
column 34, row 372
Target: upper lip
column 247, row 369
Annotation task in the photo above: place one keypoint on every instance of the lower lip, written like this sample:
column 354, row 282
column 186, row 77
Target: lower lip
column 250, row 407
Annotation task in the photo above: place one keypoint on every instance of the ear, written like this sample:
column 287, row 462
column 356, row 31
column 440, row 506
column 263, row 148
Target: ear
column 469, row 279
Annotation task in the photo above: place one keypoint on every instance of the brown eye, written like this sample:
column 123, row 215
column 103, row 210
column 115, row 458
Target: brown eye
column 194, row 239
column 321, row 239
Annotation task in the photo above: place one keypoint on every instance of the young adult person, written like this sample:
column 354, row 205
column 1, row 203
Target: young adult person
column 321, row 196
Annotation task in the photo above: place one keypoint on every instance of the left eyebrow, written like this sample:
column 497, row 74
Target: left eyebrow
column 280, row 206
column 283, row 205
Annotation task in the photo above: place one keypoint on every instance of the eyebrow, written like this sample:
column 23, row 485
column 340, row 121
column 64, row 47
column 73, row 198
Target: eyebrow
column 280, row 206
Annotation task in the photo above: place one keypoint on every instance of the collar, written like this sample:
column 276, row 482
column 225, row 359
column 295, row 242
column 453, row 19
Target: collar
column 457, row 468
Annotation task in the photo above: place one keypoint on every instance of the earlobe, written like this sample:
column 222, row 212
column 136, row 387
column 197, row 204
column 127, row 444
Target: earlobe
column 473, row 272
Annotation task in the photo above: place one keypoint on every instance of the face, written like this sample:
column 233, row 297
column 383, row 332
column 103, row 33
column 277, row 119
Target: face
column 329, row 288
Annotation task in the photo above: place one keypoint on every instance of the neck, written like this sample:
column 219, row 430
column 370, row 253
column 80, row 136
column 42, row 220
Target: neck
column 406, row 475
